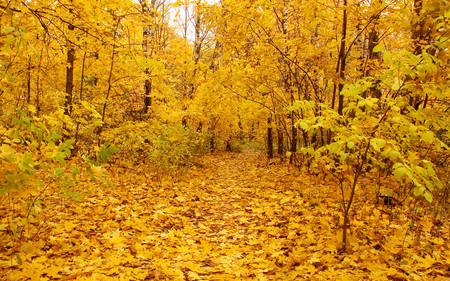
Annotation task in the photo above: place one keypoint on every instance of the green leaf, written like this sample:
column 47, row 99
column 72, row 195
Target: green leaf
column 428, row 137
column 4, row 190
column 70, row 142
column 399, row 172
column 285, row 200
column 350, row 144
column 19, row 260
column 7, row 29
column 387, row 55
column 105, row 154
column 378, row 48
column 74, row 169
column 438, row 183
column 418, row 190
column 28, row 160
column 428, row 196
column 381, row 143
column 394, row 154
column 429, row 185
column 303, row 125
column 112, row 149
column 375, row 146
column 60, row 157
column 11, row 159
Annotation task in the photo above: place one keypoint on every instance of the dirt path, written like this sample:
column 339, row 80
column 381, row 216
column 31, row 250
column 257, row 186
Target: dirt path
column 228, row 222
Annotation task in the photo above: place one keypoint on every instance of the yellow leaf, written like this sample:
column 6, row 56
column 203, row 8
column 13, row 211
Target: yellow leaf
column 32, row 109
column 52, row 271
column 69, row 225
column 426, row 262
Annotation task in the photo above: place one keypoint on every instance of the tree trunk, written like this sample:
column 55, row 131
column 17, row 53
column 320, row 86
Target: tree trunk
column 69, row 73
column 148, row 34
column 280, row 143
column 269, row 138
column 109, row 81
column 197, row 49
column 294, row 141
column 342, row 59
column 29, row 81
column 83, row 64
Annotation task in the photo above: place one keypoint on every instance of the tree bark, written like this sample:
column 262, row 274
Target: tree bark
column 148, row 34
column 108, row 92
column 280, row 143
column 197, row 49
column 342, row 59
column 29, row 80
column 69, row 73
column 269, row 138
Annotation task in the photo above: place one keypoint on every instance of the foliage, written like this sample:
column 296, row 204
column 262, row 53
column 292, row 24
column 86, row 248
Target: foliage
column 380, row 135
column 28, row 145
column 166, row 147
column 36, row 161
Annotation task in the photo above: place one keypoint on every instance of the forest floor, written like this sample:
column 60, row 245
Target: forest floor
column 234, row 217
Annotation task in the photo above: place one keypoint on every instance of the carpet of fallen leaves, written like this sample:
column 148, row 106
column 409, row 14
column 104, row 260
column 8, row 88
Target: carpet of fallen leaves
column 232, row 218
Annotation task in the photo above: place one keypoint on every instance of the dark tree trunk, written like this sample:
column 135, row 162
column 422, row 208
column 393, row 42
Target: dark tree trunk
column 147, row 92
column 294, row 142
column 342, row 59
column 269, row 138
column 29, row 81
column 148, row 34
column 69, row 74
column 280, row 143
column 373, row 41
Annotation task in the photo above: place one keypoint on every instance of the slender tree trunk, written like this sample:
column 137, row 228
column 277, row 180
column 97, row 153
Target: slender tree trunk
column 148, row 34
column 214, row 67
column 418, row 28
column 81, row 94
column 347, row 206
column 294, row 141
column 69, row 73
column 280, row 143
column 197, row 49
column 269, row 138
column 287, row 79
column 111, row 68
column 82, row 76
column 342, row 59
column 29, row 81
column 38, row 81
column 212, row 131
column 216, row 54
column 420, row 37
column 371, row 56
column 108, row 91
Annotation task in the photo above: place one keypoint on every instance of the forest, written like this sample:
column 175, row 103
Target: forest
column 224, row 140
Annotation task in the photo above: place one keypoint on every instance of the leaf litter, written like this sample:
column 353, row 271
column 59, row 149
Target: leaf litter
column 232, row 218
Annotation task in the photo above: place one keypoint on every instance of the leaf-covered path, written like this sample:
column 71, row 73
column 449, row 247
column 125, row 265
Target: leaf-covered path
column 233, row 218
